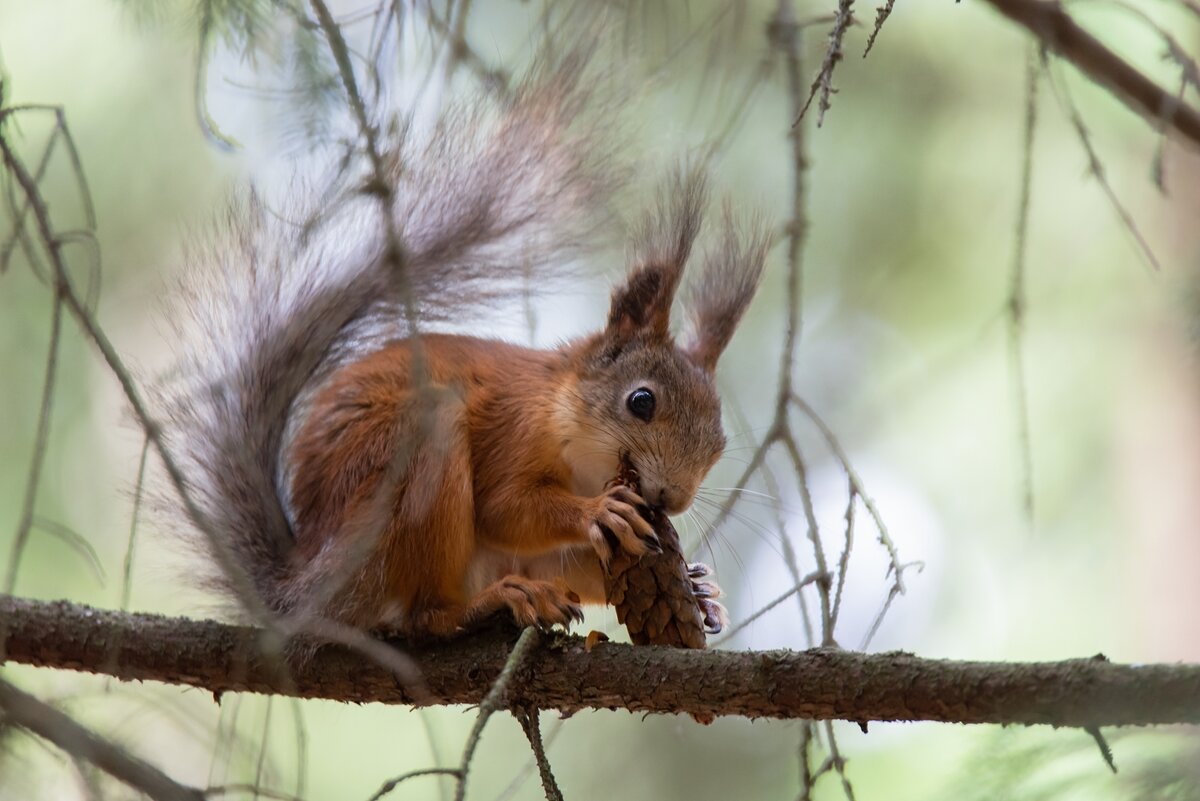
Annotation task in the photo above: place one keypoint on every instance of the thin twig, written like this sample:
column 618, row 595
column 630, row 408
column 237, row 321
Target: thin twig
column 1097, row 170
column 789, row 555
column 380, row 183
column 208, row 126
column 138, row 494
column 494, row 701
column 19, row 213
column 435, row 752
column 226, row 741
column 837, row 762
column 896, row 588
column 848, row 545
column 811, row 578
column 784, row 35
column 1105, row 749
column 787, row 40
column 807, row 779
column 835, row 447
column 528, row 719
column 301, row 746
column 341, row 56
column 493, row 79
column 220, row 790
column 529, row 767
column 814, row 535
column 40, row 439
column 881, row 15
column 263, row 746
column 1016, row 294
column 76, row 541
column 392, row 784
column 833, row 54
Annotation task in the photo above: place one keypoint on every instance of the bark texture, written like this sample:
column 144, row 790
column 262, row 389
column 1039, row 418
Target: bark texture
column 816, row 684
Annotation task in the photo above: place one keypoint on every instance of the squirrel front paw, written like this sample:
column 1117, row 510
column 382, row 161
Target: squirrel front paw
column 614, row 520
column 707, row 592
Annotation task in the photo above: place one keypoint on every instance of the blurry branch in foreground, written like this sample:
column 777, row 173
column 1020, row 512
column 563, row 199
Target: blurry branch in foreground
column 1056, row 31
column 561, row 673
column 35, row 716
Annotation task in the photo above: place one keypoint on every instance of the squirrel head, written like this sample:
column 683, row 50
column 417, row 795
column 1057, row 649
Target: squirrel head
column 640, row 396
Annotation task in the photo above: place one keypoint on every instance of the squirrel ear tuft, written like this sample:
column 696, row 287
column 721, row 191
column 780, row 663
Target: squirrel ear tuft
column 661, row 246
column 732, row 272
column 643, row 303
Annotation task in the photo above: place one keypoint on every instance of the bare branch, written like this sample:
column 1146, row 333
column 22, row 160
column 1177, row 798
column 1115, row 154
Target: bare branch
column 822, row 683
column 533, row 731
column 1057, row 31
column 833, row 54
column 881, row 15
column 29, row 713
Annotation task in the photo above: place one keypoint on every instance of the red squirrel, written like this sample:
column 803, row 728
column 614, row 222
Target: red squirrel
column 348, row 469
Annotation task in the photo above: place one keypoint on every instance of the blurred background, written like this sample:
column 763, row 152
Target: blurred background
column 912, row 196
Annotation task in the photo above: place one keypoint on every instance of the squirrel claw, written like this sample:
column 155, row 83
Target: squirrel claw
column 537, row 603
column 706, row 592
column 702, row 586
column 715, row 616
column 614, row 521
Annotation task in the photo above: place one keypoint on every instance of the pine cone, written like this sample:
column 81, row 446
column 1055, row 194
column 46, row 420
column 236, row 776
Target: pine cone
column 659, row 598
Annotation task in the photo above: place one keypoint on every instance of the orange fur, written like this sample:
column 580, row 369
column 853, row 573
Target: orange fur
column 467, row 479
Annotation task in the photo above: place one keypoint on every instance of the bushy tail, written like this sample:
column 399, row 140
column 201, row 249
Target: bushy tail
column 498, row 192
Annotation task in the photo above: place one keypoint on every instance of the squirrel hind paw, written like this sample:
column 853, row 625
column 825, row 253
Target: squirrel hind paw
column 536, row 603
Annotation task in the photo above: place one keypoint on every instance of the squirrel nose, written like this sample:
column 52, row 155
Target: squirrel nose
column 671, row 499
column 654, row 495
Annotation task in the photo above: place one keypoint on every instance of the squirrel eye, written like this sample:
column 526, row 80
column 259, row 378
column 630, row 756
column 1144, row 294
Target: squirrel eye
column 641, row 403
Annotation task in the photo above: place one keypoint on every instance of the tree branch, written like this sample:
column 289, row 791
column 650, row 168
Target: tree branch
column 29, row 713
column 563, row 675
column 1058, row 32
